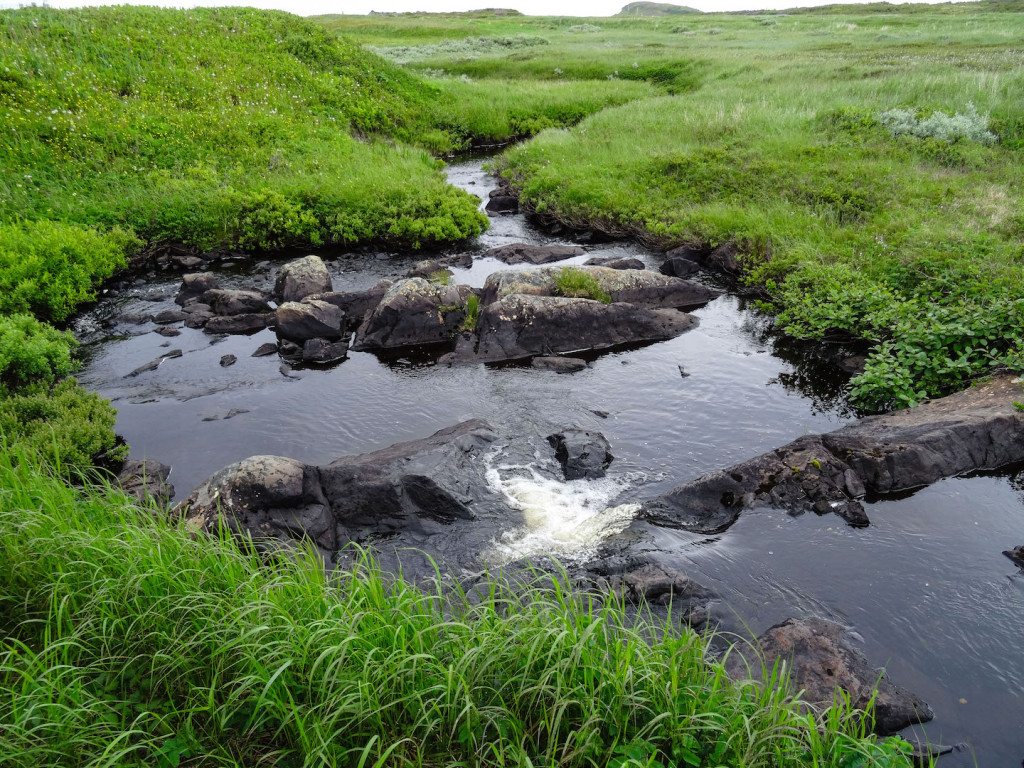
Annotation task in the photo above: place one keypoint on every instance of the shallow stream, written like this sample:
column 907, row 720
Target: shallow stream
column 925, row 586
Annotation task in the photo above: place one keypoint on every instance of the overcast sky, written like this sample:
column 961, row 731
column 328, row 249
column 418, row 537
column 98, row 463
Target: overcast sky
column 534, row 7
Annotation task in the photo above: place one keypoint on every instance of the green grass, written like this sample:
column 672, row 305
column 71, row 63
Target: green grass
column 128, row 641
column 820, row 142
column 580, row 284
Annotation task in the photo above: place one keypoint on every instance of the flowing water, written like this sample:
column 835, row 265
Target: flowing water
column 925, row 587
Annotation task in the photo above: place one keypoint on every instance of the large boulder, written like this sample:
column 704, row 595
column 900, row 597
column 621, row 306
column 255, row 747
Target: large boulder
column 414, row 312
column 583, row 454
column 823, row 661
column 518, row 327
column 433, row 493
column 301, row 278
column 978, row 429
column 525, row 253
column 356, row 304
column 633, row 286
column 229, row 301
column 300, row 321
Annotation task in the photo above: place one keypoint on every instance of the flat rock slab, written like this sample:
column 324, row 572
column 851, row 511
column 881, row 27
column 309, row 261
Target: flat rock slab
column 525, row 253
column 822, row 661
column 519, row 327
column 642, row 287
column 977, row 429
column 229, row 301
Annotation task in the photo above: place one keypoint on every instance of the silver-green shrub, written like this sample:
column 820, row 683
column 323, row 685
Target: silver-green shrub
column 965, row 126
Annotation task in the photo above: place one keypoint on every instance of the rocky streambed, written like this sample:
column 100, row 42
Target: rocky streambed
column 486, row 408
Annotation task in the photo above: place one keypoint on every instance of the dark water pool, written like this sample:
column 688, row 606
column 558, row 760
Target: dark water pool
column 925, row 586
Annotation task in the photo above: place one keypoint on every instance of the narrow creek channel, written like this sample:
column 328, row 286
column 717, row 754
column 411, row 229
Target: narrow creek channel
column 925, row 586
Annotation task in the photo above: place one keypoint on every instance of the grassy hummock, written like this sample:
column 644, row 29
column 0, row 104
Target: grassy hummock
column 130, row 641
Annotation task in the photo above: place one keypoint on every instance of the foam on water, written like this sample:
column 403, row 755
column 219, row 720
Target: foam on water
column 563, row 519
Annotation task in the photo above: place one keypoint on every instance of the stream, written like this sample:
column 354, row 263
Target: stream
column 924, row 587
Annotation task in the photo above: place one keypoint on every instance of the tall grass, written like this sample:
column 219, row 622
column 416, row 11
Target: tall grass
column 129, row 641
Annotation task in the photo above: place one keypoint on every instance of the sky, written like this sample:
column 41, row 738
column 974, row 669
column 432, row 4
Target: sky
column 532, row 7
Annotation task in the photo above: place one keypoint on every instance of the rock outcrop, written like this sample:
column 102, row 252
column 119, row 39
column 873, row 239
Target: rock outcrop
column 822, row 661
column 978, row 429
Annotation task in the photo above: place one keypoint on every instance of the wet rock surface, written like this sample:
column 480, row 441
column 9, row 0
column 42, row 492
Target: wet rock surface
column 238, row 324
column 1016, row 555
column 615, row 262
column 309, row 319
column 559, row 364
column 414, row 312
column 582, row 454
column 527, row 253
column 978, row 429
column 823, row 660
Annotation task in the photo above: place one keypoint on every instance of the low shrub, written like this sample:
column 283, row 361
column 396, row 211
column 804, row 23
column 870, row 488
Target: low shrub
column 70, row 428
column 49, row 268
column 579, row 284
column 32, row 353
column 966, row 126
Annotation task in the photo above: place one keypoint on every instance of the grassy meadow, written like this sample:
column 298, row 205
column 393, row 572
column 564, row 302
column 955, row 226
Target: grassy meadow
column 865, row 160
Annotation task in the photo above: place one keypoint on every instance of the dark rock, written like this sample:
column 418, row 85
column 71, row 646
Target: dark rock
column 229, row 415
column 502, row 203
column 615, row 262
column 643, row 287
column 977, row 429
column 301, row 278
column 263, row 350
column 168, row 316
column 413, row 491
column 559, row 364
column 924, row 754
column 323, row 352
column 582, row 454
column 228, row 301
column 356, row 304
column 196, row 307
column 1016, row 555
column 309, row 319
column 853, row 364
column 198, row 320
column 146, row 480
column 227, row 360
column 289, row 349
column 431, row 269
column 823, row 661
column 152, row 365
column 168, row 332
column 195, row 284
column 517, row 327
column 414, row 312
column 725, row 258
column 524, row 253
column 679, row 267
column 238, row 324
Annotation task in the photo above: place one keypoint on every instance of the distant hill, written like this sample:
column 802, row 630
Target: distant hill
column 654, row 9
column 480, row 12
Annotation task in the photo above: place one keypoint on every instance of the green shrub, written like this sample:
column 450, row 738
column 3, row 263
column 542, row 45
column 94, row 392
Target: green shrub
column 580, row 284
column 69, row 427
column 50, row 268
column 32, row 353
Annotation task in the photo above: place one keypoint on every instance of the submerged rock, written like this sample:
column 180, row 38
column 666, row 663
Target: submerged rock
column 977, row 429
column 168, row 316
column 615, row 262
column 146, row 480
column 152, row 365
column 1016, row 555
column 822, row 660
column 309, row 319
column 301, row 278
column 414, row 312
column 525, row 253
column 582, row 454
column 559, row 364
column 517, row 327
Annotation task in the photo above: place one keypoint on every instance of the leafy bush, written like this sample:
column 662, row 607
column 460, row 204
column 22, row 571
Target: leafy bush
column 49, row 268
column 32, row 353
column 580, row 284
column 70, row 428
column 967, row 126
